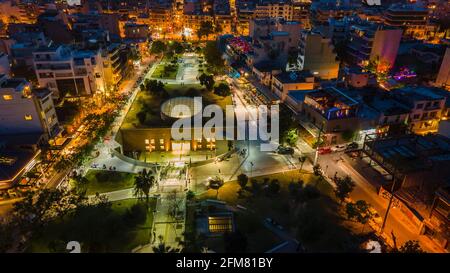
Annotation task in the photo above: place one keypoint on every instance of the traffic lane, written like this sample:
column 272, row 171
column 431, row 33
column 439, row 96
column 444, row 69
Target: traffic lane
column 396, row 222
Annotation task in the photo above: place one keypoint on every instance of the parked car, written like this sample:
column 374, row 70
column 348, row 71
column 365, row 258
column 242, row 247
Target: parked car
column 324, row 150
column 338, row 148
column 285, row 150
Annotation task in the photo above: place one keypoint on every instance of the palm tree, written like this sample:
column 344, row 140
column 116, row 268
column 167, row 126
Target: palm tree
column 143, row 182
column 162, row 248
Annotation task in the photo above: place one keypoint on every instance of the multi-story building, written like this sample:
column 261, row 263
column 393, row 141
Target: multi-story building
column 68, row 72
column 316, row 54
column 372, row 42
column 222, row 15
column 301, row 13
column 5, row 68
column 19, row 11
column 162, row 15
column 332, row 111
column 137, row 31
column 274, row 9
column 443, row 77
column 411, row 17
column 245, row 10
column 391, row 114
column 114, row 66
column 436, row 225
column 23, row 111
column 321, row 12
column 55, row 25
column 195, row 12
column 426, row 107
column 23, row 46
column 414, row 167
column 284, row 82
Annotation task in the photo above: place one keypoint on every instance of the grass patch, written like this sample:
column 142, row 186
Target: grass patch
column 128, row 225
column 99, row 181
column 166, row 71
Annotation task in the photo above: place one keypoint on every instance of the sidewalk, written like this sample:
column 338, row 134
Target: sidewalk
column 397, row 222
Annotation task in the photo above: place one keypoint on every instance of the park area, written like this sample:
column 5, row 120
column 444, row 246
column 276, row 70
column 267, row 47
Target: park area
column 166, row 71
column 118, row 226
column 314, row 217
column 145, row 111
column 101, row 181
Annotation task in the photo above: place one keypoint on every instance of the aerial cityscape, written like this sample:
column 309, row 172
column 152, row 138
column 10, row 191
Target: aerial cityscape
column 225, row 126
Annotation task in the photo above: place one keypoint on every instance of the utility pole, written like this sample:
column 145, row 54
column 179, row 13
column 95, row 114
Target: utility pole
column 389, row 204
column 316, row 157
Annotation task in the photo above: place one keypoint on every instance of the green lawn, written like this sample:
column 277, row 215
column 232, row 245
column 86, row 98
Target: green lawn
column 166, row 71
column 120, row 232
column 99, row 181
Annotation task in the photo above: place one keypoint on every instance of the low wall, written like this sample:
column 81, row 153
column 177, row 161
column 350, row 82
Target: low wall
column 133, row 161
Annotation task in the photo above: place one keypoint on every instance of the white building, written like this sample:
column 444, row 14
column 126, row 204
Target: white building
column 69, row 73
column 23, row 111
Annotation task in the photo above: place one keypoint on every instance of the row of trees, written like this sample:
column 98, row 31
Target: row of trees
column 221, row 89
column 98, row 126
column 207, row 28
column 170, row 48
column 154, row 87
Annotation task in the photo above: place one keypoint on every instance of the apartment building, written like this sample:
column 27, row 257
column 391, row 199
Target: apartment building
column 222, row 15
column 4, row 64
column 436, row 225
column 426, row 107
column 68, row 72
column 373, row 42
column 412, row 18
column 114, row 66
column 137, row 31
column 284, row 82
column 316, row 54
column 274, row 9
column 162, row 14
column 26, row 111
column 332, row 111
column 443, row 77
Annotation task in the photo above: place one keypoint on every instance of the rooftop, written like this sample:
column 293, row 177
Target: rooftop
column 15, row 83
column 293, row 77
column 418, row 93
column 410, row 153
column 41, row 92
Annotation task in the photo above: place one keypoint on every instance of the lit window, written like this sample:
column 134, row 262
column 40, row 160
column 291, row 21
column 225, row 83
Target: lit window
column 161, row 141
column 28, row 117
column 7, row 97
column 147, row 141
